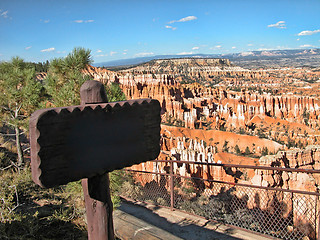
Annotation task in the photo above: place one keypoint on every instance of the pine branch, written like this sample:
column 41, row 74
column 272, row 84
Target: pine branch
column 2, row 169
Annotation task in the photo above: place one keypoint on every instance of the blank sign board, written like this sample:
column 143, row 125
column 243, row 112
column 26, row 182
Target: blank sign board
column 71, row 143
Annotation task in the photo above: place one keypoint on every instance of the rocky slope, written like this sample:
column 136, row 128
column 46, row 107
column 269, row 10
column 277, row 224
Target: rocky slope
column 271, row 107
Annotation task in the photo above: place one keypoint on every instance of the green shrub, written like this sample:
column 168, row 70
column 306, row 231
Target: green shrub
column 117, row 178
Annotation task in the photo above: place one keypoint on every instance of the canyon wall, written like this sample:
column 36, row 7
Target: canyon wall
column 210, row 122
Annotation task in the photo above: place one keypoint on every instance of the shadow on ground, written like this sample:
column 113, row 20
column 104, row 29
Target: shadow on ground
column 37, row 222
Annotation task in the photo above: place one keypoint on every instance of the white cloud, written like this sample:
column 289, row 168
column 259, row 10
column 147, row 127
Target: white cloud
column 44, row 21
column 144, row 54
column 250, row 45
column 306, row 46
column 195, row 48
column 102, row 55
column 184, row 53
column 307, row 32
column 170, row 27
column 298, row 39
column 233, row 47
column 112, row 53
column 27, row 48
column 216, row 47
column 185, row 19
column 280, row 24
column 99, row 51
column 4, row 14
column 83, row 21
column 48, row 49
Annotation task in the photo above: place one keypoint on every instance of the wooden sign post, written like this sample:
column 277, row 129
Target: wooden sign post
column 88, row 141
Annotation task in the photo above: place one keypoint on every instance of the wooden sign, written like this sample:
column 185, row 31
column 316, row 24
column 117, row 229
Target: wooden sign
column 72, row 143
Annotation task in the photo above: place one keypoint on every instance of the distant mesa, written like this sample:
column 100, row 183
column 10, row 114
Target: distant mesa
column 263, row 58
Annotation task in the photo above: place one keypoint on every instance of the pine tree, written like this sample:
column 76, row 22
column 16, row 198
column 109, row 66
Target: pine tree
column 247, row 151
column 225, row 147
column 237, row 149
column 20, row 96
column 65, row 77
column 114, row 93
column 265, row 151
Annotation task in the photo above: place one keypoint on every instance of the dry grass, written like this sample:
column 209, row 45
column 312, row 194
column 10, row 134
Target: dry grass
column 31, row 212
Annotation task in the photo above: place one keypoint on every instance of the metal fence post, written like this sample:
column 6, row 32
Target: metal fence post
column 317, row 220
column 171, row 186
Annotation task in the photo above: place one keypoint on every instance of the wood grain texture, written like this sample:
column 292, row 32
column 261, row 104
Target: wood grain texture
column 96, row 189
column 71, row 143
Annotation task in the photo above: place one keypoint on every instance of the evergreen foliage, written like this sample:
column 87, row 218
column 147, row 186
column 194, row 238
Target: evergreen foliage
column 247, row 151
column 265, row 151
column 38, row 67
column 225, row 147
column 237, row 149
column 114, row 93
column 20, row 96
column 65, row 77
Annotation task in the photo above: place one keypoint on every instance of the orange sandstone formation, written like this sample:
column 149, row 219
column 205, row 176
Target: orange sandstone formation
column 213, row 122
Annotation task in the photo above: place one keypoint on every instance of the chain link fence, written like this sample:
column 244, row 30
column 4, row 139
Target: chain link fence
column 284, row 214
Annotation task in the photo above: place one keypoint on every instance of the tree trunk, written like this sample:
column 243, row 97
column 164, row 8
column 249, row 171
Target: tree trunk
column 19, row 148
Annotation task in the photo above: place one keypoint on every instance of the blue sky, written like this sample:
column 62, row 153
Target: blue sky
column 39, row 30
